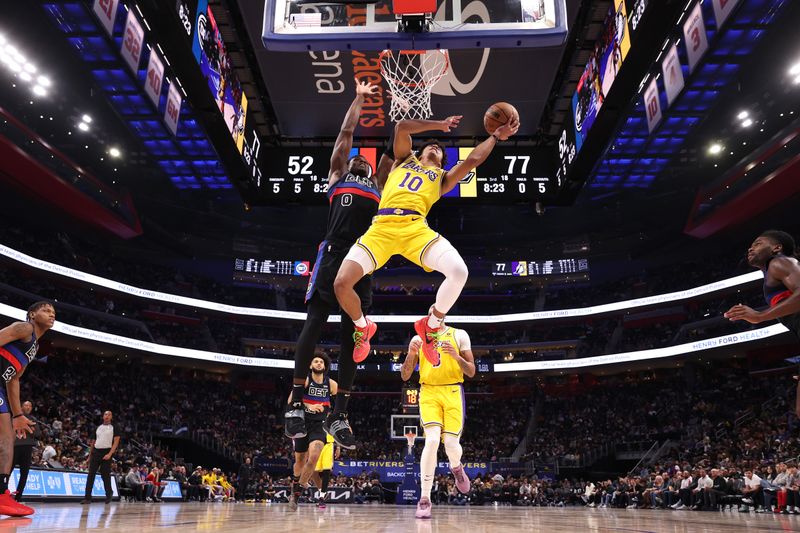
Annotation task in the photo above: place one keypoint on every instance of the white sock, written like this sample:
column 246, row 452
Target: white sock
column 434, row 322
column 360, row 322
column 427, row 463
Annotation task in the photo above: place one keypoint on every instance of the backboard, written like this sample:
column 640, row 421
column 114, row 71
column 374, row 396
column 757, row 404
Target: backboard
column 400, row 425
column 289, row 26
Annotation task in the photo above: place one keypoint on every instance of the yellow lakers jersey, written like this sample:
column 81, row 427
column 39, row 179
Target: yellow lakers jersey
column 412, row 186
column 447, row 372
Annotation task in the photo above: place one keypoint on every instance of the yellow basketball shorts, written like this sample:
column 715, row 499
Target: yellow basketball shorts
column 406, row 235
column 325, row 461
column 442, row 405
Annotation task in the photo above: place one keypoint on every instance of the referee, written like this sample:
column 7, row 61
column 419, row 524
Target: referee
column 103, row 448
column 23, row 451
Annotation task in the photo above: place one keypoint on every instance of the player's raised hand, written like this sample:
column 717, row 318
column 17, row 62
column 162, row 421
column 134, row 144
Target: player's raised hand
column 364, row 88
column 414, row 346
column 507, row 130
column 451, row 123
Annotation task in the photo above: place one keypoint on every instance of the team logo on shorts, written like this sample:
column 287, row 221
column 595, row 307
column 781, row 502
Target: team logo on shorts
column 2, row 402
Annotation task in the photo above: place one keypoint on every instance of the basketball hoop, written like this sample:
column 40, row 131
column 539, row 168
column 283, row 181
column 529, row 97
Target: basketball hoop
column 411, row 437
column 411, row 75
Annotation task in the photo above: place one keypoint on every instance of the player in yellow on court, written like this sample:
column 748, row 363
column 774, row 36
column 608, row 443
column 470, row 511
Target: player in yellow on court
column 441, row 405
column 416, row 182
column 323, row 469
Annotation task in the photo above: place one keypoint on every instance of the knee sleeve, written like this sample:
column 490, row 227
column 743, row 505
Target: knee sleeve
column 443, row 257
column 452, row 447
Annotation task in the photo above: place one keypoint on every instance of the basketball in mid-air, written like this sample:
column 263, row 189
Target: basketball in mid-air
column 498, row 114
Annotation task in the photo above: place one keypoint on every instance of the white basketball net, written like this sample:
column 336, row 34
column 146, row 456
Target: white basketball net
column 411, row 75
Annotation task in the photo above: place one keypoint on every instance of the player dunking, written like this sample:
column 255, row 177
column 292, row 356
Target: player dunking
column 354, row 192
column 441, row 405
column 413, row 186
column 317, row 392
column 774, row 252
column 20, row 342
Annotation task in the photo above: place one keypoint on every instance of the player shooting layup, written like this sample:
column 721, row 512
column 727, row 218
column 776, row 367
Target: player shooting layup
column 413, row 186
column 441, row 405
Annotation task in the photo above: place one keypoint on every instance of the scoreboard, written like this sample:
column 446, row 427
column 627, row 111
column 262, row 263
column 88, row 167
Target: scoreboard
column 555, row 267
column 508, row 176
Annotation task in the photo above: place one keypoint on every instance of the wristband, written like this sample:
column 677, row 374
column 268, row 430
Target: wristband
column 496, row 138
column 17, row 416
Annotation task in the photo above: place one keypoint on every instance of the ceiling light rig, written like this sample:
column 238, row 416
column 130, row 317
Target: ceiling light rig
column 19, row 66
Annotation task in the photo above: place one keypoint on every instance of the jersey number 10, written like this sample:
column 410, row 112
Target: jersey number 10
column 413, row 184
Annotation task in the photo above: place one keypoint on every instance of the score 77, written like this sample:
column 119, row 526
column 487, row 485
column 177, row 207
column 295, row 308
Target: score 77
column 501, row 267
column 512, row 160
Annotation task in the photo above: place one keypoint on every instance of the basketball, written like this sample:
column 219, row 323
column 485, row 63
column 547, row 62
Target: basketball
column 497, row 115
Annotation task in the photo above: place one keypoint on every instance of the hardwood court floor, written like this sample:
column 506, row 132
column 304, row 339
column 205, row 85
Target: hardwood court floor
column 175, row 517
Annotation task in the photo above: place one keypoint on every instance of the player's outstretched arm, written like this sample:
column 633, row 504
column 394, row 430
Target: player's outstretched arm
column 344, row 141
column 412, row 357
column 477, row 156
column 406, row 128
column 788, row 272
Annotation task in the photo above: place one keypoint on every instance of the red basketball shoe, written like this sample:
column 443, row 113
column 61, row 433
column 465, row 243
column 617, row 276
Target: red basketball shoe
column 362, row 337
column 10, row 507
column 429, row 337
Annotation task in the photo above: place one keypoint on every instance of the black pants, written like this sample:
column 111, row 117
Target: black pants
column 22, row 458
column 96, row 462
column 318, row 312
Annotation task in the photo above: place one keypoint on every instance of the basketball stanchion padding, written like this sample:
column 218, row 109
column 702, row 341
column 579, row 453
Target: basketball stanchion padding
column 413, row 7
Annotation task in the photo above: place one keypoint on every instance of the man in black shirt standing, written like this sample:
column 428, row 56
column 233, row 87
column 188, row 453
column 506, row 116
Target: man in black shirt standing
column 354, row 190
column 23, row 451
column 103, row 449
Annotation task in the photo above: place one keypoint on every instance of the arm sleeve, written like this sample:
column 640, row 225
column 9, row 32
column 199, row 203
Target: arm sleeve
column 462, row 339
column 117, row 432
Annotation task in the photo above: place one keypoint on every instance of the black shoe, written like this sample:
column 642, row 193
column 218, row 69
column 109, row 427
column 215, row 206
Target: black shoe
column 338, row 427
column 86, row 502
column 295, row 421
column 108, row 500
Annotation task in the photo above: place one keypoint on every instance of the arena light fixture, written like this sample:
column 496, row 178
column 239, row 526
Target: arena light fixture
column 26, row 71
column 86, row 118
column 742, row 115
column 715, row 149
column 287, row 364
column 795, row 69
column 114, row 152
column 83, row 126
column 150, row 294
column 746, row 123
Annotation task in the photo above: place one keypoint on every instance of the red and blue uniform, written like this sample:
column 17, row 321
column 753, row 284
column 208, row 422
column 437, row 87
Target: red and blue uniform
column 14, row 357
column 317, row 394
column 775, row 294
column 353, row 202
